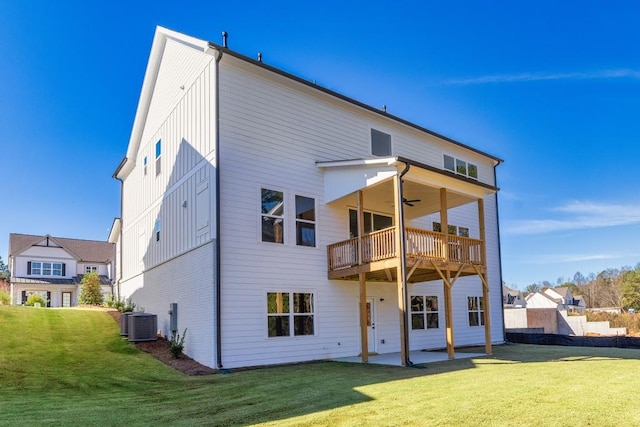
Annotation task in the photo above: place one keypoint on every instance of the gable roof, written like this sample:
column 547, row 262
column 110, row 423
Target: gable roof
column 162, row 35
column 83, row 250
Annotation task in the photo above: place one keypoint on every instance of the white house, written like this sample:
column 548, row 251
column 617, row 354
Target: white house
column 54, row 266
column 558, row 298
column 291, row 223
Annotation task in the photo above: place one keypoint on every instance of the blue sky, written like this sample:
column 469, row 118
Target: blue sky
column 551, row 87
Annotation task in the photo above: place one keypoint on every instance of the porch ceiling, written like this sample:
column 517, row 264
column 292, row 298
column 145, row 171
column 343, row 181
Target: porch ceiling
column 375, row 178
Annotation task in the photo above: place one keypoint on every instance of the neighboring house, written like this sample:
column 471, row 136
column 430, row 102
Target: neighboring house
column 290, row 223
column 512, row 298
column 558, row 298
column 54, row 266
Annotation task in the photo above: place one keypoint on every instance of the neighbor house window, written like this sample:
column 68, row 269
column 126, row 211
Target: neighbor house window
column 290, row 314
column 90, row 269
column 305, row 221
column 37, row 268
column 272, row 215
column 476, row 311
column 158, row 157
column 424, row 312
column 380, row 143
column 460, row 167
column 372, row 222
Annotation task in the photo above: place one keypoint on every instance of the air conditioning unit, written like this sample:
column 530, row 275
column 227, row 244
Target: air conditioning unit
column 143, row 327
column 124, row 323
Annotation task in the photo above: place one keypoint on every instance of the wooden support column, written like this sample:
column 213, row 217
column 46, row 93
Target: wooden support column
column 362, row 278
column 401, row 273
column 483, row 278
column 448, row 305
column 448, row 313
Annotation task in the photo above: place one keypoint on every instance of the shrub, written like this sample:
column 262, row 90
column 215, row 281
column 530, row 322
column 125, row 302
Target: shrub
column 176, row 345
column 110, row 301
column 91, row 293
column 36, row 298
column 5, row 297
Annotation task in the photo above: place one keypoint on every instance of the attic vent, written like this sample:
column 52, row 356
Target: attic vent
column 143, row 327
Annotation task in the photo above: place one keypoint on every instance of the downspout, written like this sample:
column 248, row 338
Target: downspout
column 115, row 175
column 218, row 278
column 403, row 264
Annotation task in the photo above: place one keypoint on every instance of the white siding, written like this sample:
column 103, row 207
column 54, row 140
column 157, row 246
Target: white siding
column 272, row 133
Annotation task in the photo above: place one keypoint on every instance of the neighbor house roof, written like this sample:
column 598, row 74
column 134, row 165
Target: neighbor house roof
column 104, row 280
column 84, row 250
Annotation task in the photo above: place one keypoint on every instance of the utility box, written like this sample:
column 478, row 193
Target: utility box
column 173, row 317
column 143, row 327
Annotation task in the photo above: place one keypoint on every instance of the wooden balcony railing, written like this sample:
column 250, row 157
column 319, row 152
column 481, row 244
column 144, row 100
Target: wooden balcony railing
column 424, row 244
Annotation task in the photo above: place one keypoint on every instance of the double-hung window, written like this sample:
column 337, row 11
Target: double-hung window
column 305, row 221
column 272, row 215
column 290, row 314
column 424, row 312
column 475, row 306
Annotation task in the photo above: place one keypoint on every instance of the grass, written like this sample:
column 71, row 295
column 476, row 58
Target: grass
column 70, row 367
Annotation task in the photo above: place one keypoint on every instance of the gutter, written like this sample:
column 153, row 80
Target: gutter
column 403, row 265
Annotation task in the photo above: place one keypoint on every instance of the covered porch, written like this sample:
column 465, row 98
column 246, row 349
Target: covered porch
column 401, row 254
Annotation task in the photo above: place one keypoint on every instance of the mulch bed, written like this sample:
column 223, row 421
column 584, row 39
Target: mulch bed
column 160, row 350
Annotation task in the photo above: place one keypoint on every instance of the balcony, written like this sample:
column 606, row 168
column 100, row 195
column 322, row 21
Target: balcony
column 428, row 256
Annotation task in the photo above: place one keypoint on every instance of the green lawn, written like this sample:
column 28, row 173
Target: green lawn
column 70, row 367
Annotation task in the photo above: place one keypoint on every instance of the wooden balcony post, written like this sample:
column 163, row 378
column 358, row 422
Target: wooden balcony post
column 448, row 309
column 444, row 223
column 483, row 278
column 401, row 269
column 360, row 227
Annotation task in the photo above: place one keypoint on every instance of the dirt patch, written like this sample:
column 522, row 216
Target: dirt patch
column 160, row 350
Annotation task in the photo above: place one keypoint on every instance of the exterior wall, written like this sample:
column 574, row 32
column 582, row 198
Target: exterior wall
column 546, row 318
column 187, row 280
column 51, row 254
column 537, row 300
column 175, row 261
column 271, row 137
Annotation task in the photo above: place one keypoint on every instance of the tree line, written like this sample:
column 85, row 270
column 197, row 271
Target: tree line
column 612, row 287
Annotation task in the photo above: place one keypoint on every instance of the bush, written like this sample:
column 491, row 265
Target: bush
column 176, row 345
column 110, row 301
column 36, row 298
column 5, row 297
column 91, row 293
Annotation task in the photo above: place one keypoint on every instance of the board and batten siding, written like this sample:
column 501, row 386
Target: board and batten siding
column 181, row 194
column 272, row 133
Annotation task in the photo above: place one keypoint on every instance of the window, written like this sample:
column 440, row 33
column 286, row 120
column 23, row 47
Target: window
column 453, row 230
column 90, row 269
column 460, row 167
column 157, row 230
column 380, row 143
column 305, row 221
column 37, row 268
column 272, row 215
column 424, row 312
column 372, row 222
column 476, row 311
column 144, row 163
column 289, row 314
column 158, row 157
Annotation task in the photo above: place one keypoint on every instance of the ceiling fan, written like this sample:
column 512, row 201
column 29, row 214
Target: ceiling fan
column 410, row 202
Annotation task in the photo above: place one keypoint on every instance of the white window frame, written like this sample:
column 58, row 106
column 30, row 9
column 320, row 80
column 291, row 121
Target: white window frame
column 282, row 217
column 460, row 163
column 90, row 269
column 291, row 314
column 42, row 266
column 313, row 222
column 478, row 302
column 425, row 312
